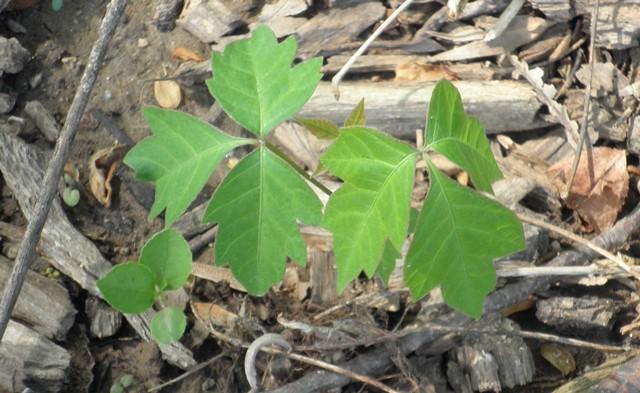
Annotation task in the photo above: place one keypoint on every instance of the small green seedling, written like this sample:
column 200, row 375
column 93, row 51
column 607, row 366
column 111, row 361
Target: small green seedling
column 261, row 203
column 123, row 384
column 70, row 195
column 56, row 5
column 133, row 287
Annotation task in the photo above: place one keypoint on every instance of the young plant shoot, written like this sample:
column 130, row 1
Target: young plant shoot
column 260, row 203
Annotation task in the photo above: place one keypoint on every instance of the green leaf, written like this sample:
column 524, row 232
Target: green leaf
column 458, row 234
column 322, row 129
column 459, row 137
column 70, row 196
column 168, row 325
column 116, row 388
column 373, row 204
column 56, row 5
column 256, row 208
column 178, row 158
column 129, row 287
column 357, row 117
column 388, row 262
column 168, row 255
column 255, row 84
column 126, row 380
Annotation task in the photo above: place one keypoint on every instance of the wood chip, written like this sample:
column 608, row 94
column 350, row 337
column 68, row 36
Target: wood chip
column 167, row 94
column 208, row 20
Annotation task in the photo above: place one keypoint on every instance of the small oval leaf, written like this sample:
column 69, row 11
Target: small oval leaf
column 321, row 129
column 168, row 255
column 129, row 287
column 168, row 325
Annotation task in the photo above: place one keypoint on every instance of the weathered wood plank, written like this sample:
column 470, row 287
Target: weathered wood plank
column 401, row 108
column 66, row 248
column 29, row 360
column 43, row 304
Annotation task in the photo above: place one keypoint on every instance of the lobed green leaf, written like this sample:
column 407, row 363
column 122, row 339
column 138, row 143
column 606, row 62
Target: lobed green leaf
column 257, row 207
column 168, row 255
column 178, row 158
column 459, row 137
column 129, row 287
column 322, row 129
column 458, row 234
column 357, row 117
column 373, row 204
column 255, row 84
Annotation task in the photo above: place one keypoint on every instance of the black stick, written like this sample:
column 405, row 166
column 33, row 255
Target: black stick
column 60, row 156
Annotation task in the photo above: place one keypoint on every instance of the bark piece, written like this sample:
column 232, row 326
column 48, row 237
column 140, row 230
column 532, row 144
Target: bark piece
column 494, row 362
column 400, row 108
column 208, row 20
column 337, row 25
column 66, row 248
column 522, row 30
column 323, row 276
column 619, row 374
column 29, row 360
column 585, row 315
column 7, row 102
column 634, row 137
column 13, row 56
column 43, row 304
column 104, row 320
column 43, row 119
column 167, row 12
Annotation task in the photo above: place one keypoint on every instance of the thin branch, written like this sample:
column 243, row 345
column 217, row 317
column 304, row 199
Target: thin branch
column 58, row 159
column 562, row 271
column 572, row 236
column 584, row 135
column 335, row 81
column 504, row 20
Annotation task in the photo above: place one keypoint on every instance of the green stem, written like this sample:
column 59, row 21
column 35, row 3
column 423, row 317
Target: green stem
column 298, row 169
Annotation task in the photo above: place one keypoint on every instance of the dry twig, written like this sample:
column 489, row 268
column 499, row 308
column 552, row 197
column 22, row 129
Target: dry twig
column 584, row 135
column 505, row 19
column 572, row 236
column 60, row 155
column 335, row 81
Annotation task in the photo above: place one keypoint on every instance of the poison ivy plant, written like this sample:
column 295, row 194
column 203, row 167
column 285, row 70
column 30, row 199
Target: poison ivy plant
column 373, row 204
column 265, row 197
column 133, row 287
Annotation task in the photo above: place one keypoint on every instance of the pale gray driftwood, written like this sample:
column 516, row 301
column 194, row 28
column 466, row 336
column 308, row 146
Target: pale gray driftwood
column 401, row 108
column 104, row 320
column 43, row 304
column 66, row 248
column 588, row 315
column 29, row 360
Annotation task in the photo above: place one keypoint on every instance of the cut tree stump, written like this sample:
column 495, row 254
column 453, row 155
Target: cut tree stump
column 401, row 108
column 29, row 360
column 43, row 304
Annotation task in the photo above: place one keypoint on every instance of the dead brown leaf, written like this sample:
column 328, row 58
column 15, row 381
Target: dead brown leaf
column 211, row 312
column 16, row 5
column 423, row 72
column 598, row 204
column 102, row 166
column 185, row 54
column 167, row 94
